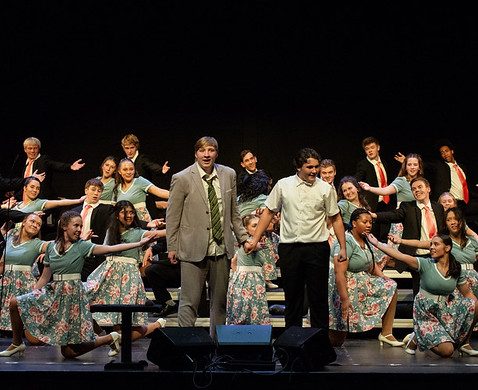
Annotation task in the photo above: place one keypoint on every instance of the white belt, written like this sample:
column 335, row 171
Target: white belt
column 140, row 204
column 248, row 268
column 467, row 266
column 122, row 259
column 17, row 267
column 436, row 298
column 61, row 277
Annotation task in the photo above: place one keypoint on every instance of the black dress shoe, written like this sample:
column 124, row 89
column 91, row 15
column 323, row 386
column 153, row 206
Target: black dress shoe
column 149, row 302
column 168, row 309
column 277, row 310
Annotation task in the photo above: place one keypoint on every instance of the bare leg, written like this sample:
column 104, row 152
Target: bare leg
column 71, row 351
column 142, row 331
column 388, row 317
column 17, row 323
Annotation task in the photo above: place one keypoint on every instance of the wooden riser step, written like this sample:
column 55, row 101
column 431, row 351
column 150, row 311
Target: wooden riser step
column 278, row 296
column 279, row 322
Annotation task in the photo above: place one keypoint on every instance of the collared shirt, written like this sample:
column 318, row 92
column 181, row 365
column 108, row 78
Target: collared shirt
column 135, row 156
column 304, row 209
column 424, row 230
column 456, row 188
column 87, row 220
column 213, row 248
column 30, row 168
column 377, row 173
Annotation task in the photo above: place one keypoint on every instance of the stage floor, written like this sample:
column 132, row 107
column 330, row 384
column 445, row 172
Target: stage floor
column 359, row 361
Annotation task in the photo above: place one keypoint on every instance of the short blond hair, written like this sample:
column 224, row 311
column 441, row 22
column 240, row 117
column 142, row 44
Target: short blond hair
column 206, row 141
column 32, row 141
column 130, row 139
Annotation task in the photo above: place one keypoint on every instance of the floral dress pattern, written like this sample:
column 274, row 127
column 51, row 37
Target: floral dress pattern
column 444, row 316
column 118, row 281
column 59, row 313
column 16, row 282
column 246, row 295
column 369, row 295
column 466, row 256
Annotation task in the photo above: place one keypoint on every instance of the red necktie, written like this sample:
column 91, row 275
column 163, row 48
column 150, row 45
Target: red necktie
column 466, row 195
column 84, row 212
column 28, row 169
column 383, row 182
column 432, row 229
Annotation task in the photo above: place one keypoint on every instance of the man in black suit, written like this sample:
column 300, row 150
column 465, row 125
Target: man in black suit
column 42, row 163
column 147, row 168
column 449, row 176
column 413, row 216
column 96, row 219
column 373, row 170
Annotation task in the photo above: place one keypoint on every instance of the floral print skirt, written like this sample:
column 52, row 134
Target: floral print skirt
column 246, row 298
column 58, row 314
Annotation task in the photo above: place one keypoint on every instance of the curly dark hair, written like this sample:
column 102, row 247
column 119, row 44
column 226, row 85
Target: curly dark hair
column 254, row 185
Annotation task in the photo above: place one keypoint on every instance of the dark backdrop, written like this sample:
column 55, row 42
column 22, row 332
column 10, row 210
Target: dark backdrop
column 258, row 75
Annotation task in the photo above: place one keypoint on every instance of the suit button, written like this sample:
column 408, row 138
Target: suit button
column 207, row 228
column 207, row 212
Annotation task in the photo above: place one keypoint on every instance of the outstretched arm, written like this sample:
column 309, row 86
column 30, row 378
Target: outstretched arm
column 264, row 221
column 388, row 190
column 50, row 204
column 409, row 242
column 105, row 249
column 159, row 192
column 411, row 261
column 77, row 165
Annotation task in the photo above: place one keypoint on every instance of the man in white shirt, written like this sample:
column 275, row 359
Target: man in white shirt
column 305, row 204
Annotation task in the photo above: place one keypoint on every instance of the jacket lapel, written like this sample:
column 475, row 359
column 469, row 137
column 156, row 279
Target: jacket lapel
column 197, row 182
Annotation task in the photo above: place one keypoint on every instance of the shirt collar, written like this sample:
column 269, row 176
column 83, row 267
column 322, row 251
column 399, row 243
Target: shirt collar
column 36, row 158
column 93, row 205
column 422, row 205
column 299, row 181
column 374, row 162
column 135, row 156
column 203, row 173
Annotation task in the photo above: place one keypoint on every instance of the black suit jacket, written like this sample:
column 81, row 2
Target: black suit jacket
column 366, row 172
column 151, row 170
column 100, row 220
column 45, row 164
column 410, row 215
column 439, row 174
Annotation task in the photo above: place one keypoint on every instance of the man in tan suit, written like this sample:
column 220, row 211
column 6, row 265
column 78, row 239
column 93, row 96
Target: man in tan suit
column 201, row 217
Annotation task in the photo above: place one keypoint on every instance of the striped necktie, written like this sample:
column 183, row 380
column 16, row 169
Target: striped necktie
column 215, row 214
